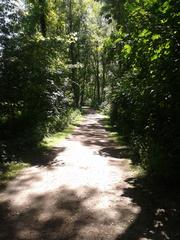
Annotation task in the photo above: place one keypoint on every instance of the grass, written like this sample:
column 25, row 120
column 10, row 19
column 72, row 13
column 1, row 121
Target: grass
column 138, row 171
column 52, row 140
column 10, row 170
column 113, row 135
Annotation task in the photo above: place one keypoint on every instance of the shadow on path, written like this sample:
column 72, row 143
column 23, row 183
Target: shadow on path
column 159, row 218
column 94, row 134
column 85, row 190
column 50, row 216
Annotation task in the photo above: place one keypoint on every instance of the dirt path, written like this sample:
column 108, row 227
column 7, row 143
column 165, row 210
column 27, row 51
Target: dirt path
column 83, row 194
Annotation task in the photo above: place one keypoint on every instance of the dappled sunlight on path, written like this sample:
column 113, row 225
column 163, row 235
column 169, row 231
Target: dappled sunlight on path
column 81, row 194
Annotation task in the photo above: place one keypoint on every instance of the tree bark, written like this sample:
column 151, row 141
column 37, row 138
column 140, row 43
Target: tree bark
column 75, row 84
column 97, row 74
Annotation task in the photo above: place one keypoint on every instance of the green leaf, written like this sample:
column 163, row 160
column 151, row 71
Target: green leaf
column 127, row 49
column 156, row 36
column 145, row 33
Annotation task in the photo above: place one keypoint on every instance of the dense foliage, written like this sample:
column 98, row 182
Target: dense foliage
column 48, row 62
column 144, row 61
column 32, row 90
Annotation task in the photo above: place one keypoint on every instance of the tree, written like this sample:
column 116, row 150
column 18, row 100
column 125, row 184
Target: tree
column 144, row 49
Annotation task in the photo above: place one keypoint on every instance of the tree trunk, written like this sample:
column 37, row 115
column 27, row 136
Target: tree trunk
column 103, row 79
column 97, row 76
column 75, row 84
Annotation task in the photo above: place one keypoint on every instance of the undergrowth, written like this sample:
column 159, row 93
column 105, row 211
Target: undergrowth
column 9, row 170
column 14, row 157
column 137, row 169
column 51, row 140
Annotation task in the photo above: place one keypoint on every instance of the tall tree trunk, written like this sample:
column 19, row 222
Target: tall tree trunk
column 97, row 75
column 75, row 84
column 94, row 91
column 83, row 86
column 103, row 79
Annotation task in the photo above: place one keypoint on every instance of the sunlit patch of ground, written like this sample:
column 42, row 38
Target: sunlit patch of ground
column 81, row 194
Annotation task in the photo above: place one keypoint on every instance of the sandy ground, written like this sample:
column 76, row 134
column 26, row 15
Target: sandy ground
column 82, row 194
